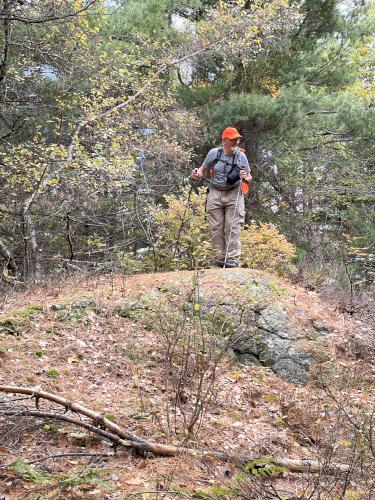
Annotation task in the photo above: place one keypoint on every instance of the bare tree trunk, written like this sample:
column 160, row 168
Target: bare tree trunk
column 33, row 268
column 32, row 264
column 7, row 28
column 7, row 256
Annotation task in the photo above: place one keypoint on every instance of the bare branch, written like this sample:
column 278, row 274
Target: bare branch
column 29, row 20
column 150, row 81
column 71, row 454
column 119, row 435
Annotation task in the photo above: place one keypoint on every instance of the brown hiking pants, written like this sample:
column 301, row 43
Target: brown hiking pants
column 226, row 216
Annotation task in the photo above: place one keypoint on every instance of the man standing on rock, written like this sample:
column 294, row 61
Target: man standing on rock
column 228, row 168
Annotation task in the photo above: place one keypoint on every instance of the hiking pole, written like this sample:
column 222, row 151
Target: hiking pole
column 231, row 226
column 241, row 187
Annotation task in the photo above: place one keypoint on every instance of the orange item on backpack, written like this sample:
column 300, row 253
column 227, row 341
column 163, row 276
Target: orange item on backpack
column 245, row 188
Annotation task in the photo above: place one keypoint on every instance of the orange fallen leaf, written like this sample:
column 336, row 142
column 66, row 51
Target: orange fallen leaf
column 72, row 360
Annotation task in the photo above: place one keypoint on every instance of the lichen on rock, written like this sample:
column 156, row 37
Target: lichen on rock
column 248, row 309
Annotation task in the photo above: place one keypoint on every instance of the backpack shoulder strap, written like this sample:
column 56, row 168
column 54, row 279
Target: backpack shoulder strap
column 237, row 156
column 218, row 156
column 234, row 159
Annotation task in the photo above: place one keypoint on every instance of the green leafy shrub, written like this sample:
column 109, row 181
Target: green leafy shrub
column 263, row 247
column 52, row 373
column 250, row 483
column 183, row 239
column 19, row 321
column 29, row 311
column 74, row 311
column 89, row 477
column 182, row 229
column 263, row 467
column 129, row 265
column 10, row 327
column 28, row 472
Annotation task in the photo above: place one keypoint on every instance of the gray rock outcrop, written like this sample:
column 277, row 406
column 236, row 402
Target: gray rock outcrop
column 264, row 335
column 249, row 310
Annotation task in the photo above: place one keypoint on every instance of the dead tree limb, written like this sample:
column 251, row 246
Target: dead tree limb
column 72, row 454
column 42, row 20
column 118, row 435
column 24, row 412
column 97, row 418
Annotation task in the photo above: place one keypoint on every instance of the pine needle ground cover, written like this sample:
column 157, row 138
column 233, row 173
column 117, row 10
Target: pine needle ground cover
column 80, row 343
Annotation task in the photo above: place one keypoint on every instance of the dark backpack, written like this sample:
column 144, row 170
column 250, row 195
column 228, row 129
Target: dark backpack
column 234, row 173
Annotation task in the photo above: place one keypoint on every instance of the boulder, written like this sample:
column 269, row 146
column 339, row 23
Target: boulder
column 265, row 336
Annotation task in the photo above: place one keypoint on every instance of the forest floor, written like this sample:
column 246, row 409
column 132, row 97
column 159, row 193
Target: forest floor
column 112, row 364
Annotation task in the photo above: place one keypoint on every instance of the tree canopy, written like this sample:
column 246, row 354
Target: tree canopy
column 106, row 106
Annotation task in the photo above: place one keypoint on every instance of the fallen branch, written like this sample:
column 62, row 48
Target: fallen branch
column 24, row 412
column 98, row 419
column 118, row 435
column 71, row 454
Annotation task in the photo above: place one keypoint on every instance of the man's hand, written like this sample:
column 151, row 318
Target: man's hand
column 245, row 176
column 197, row 173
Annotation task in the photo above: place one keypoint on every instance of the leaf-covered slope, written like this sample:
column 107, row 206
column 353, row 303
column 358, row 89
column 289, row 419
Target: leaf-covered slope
column 103, row 343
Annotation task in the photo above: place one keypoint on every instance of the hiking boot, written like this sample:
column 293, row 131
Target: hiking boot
column 230, row 263
column 219, row 264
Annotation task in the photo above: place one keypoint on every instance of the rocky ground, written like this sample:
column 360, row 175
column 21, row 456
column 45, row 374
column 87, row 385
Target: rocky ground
column 272, row 369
